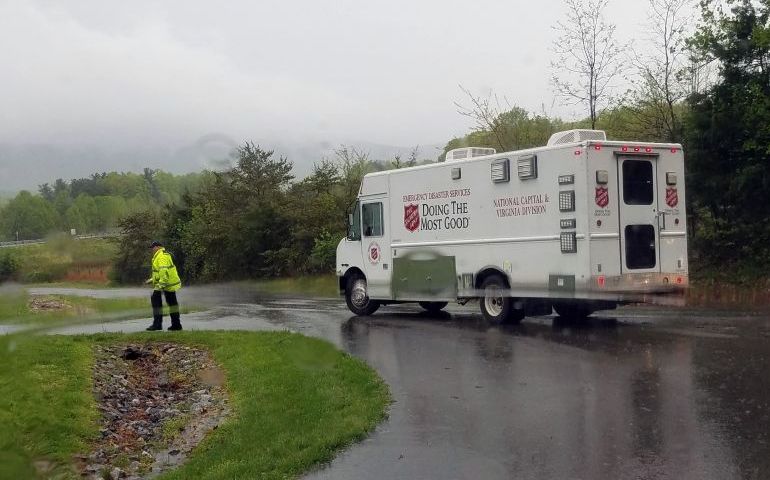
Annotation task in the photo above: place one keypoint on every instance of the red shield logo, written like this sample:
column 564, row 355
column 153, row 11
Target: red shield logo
column 672, row 198
column 412, row 217
column 602, row 197
column 374, row 253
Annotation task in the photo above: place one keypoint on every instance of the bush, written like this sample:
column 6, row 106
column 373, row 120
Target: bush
column 322, row 258
column 46, row 273
column 132, row 263
column 9, row 266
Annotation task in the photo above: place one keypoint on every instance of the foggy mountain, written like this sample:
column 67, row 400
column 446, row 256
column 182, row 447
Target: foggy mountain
column 24, row 167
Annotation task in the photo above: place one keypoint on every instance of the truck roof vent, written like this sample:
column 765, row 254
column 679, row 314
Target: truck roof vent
column 576, row 136
column 468, row 152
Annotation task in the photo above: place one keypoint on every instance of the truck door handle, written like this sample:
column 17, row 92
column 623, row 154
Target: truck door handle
column 662, row 214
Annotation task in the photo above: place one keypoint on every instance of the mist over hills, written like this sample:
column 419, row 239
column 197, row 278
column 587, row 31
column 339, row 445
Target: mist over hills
column 25, row 166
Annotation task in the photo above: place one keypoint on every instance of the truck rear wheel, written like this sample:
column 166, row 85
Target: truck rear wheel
column 357, row 297
column 433, row 307
column 496, row 306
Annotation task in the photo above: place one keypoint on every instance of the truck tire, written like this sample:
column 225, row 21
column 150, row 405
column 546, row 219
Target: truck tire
column 495, row 306
column 357, row 297
column 574, row 311
column 433, row 307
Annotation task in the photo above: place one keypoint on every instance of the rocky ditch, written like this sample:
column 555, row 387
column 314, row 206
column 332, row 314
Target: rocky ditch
column 44, row 303
column 157, row 401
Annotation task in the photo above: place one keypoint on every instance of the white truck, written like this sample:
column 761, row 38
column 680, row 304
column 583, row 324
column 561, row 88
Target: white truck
column 580, row 225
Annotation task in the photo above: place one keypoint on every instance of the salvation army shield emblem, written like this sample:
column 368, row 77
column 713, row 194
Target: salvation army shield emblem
column 412, row 217
column 602, row 197
column 672, row 197
column 374, row 253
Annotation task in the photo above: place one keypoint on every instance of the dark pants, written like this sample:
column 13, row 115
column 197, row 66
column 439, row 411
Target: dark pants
column 157, row 308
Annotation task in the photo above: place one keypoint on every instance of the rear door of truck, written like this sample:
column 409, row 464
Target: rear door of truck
column 672, row 219
column 638, row 199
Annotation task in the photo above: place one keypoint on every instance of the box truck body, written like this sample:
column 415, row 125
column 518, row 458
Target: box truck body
column 580, row 224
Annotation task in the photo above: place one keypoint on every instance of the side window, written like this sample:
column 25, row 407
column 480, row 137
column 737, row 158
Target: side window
column 354, row 226
column 371, row 214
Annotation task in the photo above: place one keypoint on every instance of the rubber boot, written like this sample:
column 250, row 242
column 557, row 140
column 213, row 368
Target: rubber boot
column 157, row 312
column 157, row 323
column 176, row 323
column 173, row 310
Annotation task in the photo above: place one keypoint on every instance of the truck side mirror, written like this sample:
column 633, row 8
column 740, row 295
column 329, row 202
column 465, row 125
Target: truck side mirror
column 350, row 219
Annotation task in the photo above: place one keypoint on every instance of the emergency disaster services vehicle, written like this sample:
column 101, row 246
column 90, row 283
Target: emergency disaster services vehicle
column 579, row 225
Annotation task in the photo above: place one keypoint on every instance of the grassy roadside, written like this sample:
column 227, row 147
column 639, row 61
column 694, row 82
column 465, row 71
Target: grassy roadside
column 63, row 259
column 296, row 401
column 47, row 413
column 14, row 309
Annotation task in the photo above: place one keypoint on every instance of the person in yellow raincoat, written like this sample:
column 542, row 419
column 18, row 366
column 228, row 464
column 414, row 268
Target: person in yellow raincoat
column 165, row 281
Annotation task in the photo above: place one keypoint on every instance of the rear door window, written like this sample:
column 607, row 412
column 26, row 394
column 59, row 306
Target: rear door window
column 640, row 247
column 637, row 182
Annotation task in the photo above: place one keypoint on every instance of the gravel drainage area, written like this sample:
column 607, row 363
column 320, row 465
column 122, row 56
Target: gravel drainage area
column 157, row 401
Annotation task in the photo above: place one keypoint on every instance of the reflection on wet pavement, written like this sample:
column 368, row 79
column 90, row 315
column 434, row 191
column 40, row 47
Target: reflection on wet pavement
column 644, row 393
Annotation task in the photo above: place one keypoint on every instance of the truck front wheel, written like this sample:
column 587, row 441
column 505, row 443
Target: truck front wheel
column 496, row 306
column 357, row 297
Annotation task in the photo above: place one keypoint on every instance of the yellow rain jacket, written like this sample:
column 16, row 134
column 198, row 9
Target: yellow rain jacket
column 164, row 274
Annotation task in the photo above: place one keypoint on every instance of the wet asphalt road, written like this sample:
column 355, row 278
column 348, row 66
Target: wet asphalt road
column 639, row 393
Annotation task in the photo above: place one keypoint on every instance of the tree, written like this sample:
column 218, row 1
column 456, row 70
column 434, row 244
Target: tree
column 486, row 111
column 109, row 211
column 131, row 264
column 149, row 177
column 239, row 223
column 354, row 164
column 89, row 214
column 506, row 130
column 75, row 219
column 46, row 192
column 663, row 80
column 728, row 137
column 587, row 57
column 27, row 217
column 413, row 156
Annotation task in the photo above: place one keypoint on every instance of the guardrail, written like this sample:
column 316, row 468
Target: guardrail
column 19, row 243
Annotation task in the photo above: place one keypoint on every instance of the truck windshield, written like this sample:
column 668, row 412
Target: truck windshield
column 354, row 225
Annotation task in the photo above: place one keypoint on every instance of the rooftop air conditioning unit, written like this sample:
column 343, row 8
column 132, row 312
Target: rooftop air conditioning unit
column 576, row 136
column 468, row 152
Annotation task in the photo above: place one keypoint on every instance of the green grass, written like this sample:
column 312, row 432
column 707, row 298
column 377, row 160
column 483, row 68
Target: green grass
column 53, row 260
column 296, row 401
column 14, row 309
column 172, row 427
column 47, row 412
column 312, row 286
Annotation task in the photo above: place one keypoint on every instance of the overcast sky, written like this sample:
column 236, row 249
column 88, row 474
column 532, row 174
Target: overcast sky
column 130, row 75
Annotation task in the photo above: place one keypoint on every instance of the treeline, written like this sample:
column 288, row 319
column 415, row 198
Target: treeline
column 90, row 205
column 253, row 220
